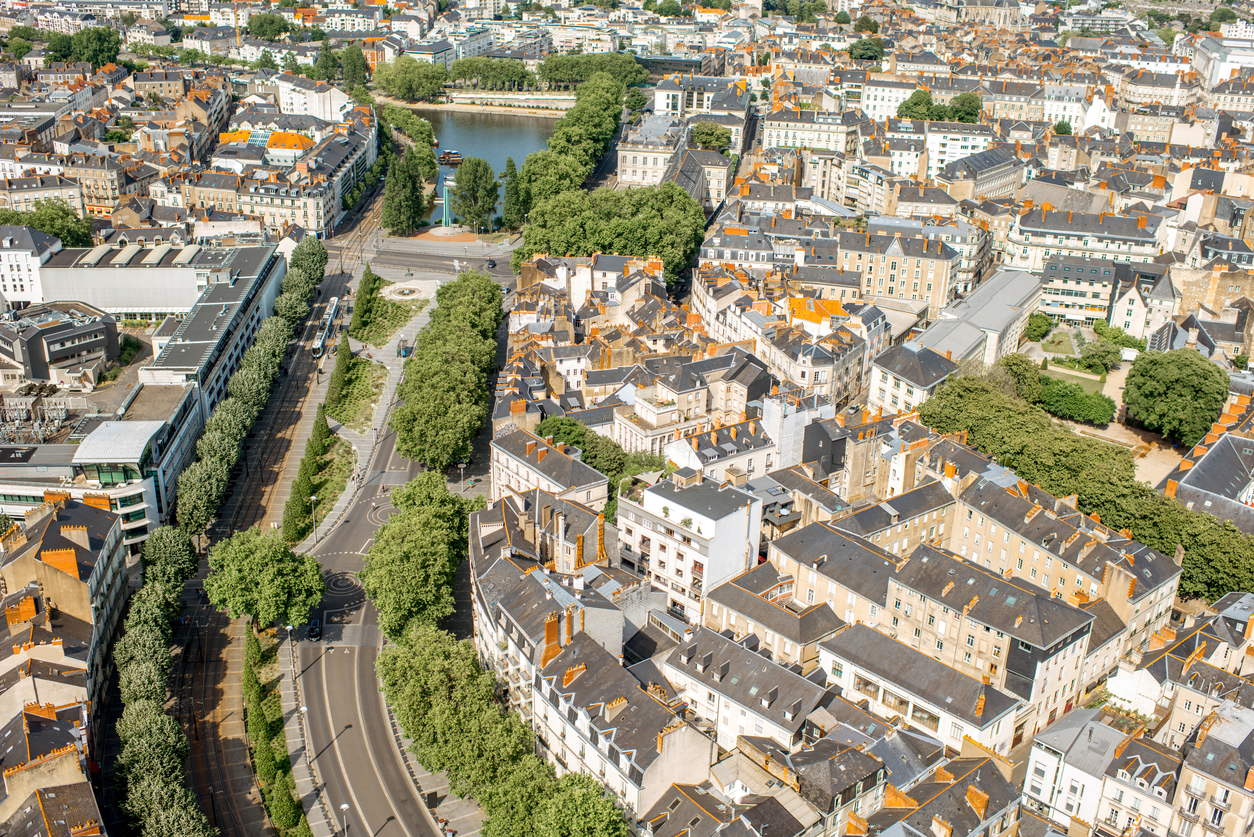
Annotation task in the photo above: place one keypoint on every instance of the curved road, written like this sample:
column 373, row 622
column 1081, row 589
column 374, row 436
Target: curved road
column 357, row 759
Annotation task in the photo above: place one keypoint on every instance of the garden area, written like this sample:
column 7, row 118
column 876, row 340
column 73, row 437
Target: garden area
column 355, row 388
column 130, row 349
column 377, row 317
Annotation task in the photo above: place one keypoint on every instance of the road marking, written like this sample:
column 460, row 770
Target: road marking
column 335, row 745
column 365, row 547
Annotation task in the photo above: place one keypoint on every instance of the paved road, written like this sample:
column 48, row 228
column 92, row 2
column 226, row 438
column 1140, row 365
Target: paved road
column 352, row 744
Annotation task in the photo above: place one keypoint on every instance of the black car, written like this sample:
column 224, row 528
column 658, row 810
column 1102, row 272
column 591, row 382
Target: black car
column 315, row 630
column 491, row 263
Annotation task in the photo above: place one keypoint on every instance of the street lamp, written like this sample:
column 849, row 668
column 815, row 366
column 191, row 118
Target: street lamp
column 291, row 645
column 461, row 466
column 344, row 818
column 313, row 502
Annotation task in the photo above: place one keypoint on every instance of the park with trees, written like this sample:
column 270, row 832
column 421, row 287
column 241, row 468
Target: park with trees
column 965, row 107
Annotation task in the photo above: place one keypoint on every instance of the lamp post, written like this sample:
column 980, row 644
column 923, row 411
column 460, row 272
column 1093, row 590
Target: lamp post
column 344, row 818
column 313, row 502
column 291, row 646
column 461, row 466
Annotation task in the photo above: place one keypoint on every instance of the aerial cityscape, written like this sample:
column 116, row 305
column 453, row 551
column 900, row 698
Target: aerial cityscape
column 765, row 418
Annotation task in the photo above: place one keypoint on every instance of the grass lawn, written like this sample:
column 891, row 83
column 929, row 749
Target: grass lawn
column 392, row 316
column 329, row 483
column 366, row 380
column 1059, row 343
column 1088, row 384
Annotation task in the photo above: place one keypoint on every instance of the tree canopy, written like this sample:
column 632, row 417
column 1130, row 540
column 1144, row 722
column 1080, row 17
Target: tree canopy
column 258, row 574
column 867, row 24
column 867, row 49
column 267, row 26
column 1062, row 127
column 408, row 78
column 54, row 217
column 475, row 193
column 1178, row 393
column 658, row 221
column 492, row 73
column 562, row 68
column 356, row 68
column 711, row 135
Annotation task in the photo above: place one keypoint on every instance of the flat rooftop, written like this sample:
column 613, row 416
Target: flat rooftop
column 155, row 402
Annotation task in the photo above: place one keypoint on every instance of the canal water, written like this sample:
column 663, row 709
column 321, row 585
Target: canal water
column 492, row 136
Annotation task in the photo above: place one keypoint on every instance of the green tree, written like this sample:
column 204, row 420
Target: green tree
column 259, row 575
column 1099, row 355
column 18, row 47
column 1221, row 16
column 1177, row 393
column 1062, row 127
column 404, row 201
column 168, row 557
column 842, row 17
column 1239, row 361
column 711, row 135
column 199, row 491
column 1025, row 374
column 268, row 26
column 965, row 107
column 356, row 69
column 327, row 66
column 918, row 106
column 298, row 511
column 338, row 385
column 98, row 45
column 866, row 24
column 635, row 100
column 580, row 808
column 545, row 175
column 310, row 258
column 408, row 78
column 59, row 48
column 513, row 205
column 671, row 8
column 409, row 569
column 54, row 217
column 474, row 192
column 867, row 49
column 1039, row 327
column 266, row 61
column 290, row 65
column 660, row 221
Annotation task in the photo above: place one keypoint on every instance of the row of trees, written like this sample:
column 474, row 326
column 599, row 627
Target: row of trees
column 277, row 788
column 965, row 107
column 603, row 454
column 563, row 69
column 492, row 73
column 203, row 484
column 446, row 705
column 658, row 220
column 378, row 171
column 148, row 774
column 1218, row 557
column 368, row 305
column 444, row 393
column 298, row 512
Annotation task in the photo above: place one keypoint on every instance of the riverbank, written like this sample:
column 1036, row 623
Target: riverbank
column 460, row 107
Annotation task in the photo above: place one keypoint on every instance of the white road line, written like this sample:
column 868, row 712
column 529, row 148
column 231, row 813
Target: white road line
column 365, row 546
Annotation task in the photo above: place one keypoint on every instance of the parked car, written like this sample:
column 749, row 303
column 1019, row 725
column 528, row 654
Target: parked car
column 315, row 630
column 491, row 263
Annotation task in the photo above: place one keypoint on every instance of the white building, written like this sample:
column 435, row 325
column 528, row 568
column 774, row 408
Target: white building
column 300, row 95
column 688, row 535
column 1067, row 766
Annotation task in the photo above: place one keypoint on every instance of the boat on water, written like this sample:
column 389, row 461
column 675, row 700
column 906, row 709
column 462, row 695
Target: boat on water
column 450, row 158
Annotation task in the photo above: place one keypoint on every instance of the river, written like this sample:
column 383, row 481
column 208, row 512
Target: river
column 492, row 136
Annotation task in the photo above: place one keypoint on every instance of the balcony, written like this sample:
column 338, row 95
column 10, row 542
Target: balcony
column 1199, row 792
column 1214, row 828
column 1221, row 804
column 1191, row 816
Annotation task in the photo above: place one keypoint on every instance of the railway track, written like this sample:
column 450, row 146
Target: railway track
column 266, row 452
column 202, row 668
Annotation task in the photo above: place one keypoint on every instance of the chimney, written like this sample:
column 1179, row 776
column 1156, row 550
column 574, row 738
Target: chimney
column 978, row 800
column 531, row 447
column 552, row 639
column 1249, row 779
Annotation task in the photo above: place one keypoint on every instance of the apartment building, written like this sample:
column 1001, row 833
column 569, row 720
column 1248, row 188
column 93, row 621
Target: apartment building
column 760, row 602
column 22, row 193
column 23, row 251
column 899, row 680
column 812, row 129
column 521, row 462
column 593, row 717
column 981, row 623
column 903, row 377
column 646, row 149
column 1215, row 789
column 1040, row 234
column 948, row 142
column 830, row 565
column 734, row 452
column 1067, row 766
column 300, row 95
column 687, row 534
column 893, row 266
